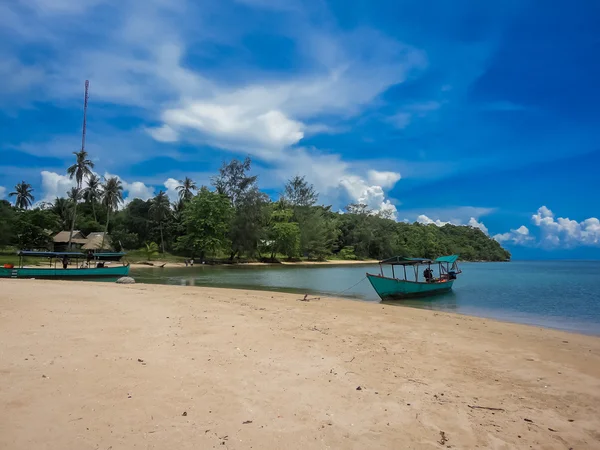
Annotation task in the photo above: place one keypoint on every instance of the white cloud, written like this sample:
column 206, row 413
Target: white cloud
column 475, row 224
column 55, row 185
column 163, row 133
column 520, row 236
column 566, row 232
column 2, row 192
column 556, row 232
column 383, row 179
column 234, row 126
column 171, row 185
column 371, row 195
column 137, row 189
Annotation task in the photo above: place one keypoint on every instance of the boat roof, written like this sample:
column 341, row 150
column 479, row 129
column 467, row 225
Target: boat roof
column 69, row 254
column 406, row 261
column 447, row 259
column 50, row 254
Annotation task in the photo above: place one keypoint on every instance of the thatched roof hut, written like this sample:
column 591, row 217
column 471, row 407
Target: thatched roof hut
column 94, row 242
column 63, row 237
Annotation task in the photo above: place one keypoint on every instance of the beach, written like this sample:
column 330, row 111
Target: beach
column 107, row 366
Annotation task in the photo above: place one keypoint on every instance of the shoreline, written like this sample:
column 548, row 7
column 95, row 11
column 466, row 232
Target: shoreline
column 168, row 264
column 188, row 367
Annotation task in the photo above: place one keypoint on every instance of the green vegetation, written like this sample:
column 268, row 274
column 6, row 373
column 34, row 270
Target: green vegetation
column 233, row 221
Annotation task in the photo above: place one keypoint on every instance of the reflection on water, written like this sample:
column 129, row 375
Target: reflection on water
column 442, row 302
column 557, row 294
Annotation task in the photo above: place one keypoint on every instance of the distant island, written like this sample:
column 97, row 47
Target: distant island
column 232, row 221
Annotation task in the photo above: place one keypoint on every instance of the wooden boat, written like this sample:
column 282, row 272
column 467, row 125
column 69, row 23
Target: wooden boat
column 400, row 288
column 94, row 268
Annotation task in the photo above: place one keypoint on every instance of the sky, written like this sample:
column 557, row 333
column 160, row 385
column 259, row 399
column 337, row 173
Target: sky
column 466, row 112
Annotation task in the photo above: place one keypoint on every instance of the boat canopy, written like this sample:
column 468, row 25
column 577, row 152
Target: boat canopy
column 405, row 261
column 451, row 259
column 51, row 254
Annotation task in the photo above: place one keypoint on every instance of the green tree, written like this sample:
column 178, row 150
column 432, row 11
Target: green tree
column 92, row 192
column 283, row 233
column 80, row 170
column 206, row 219
column 7, row 218
column 160, row 208
column 33, row 229
column 112, row 197
column 23, row 193
column 186, row 189
column 247, row 228
column 298, row 192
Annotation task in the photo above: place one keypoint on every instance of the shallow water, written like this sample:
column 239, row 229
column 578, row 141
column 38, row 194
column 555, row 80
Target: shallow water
column 555, row 294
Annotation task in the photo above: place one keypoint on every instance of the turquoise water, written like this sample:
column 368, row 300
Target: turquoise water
column 555, row 294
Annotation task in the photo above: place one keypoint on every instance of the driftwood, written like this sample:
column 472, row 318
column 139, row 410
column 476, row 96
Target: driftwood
column 485, row 407
column 306, row 299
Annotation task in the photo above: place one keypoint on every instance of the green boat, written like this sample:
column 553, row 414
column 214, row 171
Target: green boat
column 92, row 266
column 408, row 287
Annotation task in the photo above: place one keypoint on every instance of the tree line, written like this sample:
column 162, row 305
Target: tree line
column 232, row 219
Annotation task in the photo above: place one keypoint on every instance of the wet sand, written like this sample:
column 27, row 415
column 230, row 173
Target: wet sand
column 107, row 366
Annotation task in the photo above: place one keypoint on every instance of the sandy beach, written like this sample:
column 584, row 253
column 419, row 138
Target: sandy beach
column 107, row 366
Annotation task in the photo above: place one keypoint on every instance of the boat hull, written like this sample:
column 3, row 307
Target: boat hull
column 393, row 289
column 51, row 272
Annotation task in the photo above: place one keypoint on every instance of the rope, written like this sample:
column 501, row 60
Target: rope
column 353, row 286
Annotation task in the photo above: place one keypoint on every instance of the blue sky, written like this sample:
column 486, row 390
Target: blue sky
column 469, row 112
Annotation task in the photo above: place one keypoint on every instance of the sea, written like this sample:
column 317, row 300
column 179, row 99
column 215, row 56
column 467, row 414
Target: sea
column 563, row 295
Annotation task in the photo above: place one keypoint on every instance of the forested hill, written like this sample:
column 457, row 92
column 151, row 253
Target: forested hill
column 236, row 221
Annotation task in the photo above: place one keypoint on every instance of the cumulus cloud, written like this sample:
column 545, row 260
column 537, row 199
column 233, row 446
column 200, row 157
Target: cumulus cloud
column 520, row 236
column 555, row 232
column 383, row 179
column 371, row 195
column 2, row 192
column 566, row 232
column 476, row 224
column 171, row 185
column 55, row 185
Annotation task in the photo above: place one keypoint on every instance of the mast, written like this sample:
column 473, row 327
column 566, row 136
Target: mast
column 85, row 104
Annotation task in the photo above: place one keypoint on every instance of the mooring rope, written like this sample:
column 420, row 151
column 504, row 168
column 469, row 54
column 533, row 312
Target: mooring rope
column 353, row 286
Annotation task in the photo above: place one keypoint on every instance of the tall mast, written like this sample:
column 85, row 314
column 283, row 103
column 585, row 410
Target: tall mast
column 85, row 102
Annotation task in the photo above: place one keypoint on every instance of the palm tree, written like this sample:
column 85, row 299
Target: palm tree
column 80, row 170
column 74, row 195
column 160, row 209
column 186, row 187
column 112, row 196
column 62, row 208
column 91, row 193
column 23, row 192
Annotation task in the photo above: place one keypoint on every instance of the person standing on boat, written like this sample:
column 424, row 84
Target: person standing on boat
column 428, row 274
column 65, row 262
